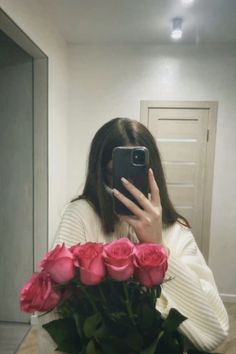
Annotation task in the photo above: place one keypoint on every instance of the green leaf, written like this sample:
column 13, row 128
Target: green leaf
column 91, row 324
column 64, row 333
column 119, row 316
column 114, row 345
column 91, row 348
column 134, row 340
column 147, row 316
column 118, row 323
column 149, row 320
column 101, row 332
column 173, row 320
column 171, row 342
column 152, row 348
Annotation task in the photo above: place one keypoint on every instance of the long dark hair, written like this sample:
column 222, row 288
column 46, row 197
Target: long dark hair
column 122, row 132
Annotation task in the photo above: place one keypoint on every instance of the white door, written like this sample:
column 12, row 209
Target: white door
column 182, row 138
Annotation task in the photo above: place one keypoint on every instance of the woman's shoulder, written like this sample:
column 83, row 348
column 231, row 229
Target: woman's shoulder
column 80, row 204
column 177, row 233
column 177, row 227
column 81, row 208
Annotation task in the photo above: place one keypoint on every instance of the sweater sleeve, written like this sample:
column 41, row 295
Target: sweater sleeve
column 70, row 231
column 193, row 292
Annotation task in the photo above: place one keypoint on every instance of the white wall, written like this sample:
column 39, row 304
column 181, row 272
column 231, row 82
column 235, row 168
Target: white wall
column 106, row 82
column 33, row 20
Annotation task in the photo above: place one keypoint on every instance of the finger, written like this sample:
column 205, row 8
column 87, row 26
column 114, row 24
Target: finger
column 128, row 203
column 155, row 195
column 131, row 220
column 137, row 194
column 126, row 217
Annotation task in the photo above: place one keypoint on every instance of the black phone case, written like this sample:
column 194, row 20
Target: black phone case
column 122, row 166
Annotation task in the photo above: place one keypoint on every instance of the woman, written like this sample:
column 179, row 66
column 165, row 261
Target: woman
column 90, row 217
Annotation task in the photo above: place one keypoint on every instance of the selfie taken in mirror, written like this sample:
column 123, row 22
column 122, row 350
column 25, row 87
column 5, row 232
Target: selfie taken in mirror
column 118, row 171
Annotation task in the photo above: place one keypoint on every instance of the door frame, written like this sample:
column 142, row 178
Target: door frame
column 212, row 107
column 40, row 134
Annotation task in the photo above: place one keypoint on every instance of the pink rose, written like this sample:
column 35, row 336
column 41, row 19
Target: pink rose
column 59, row 263
column 89, row 258
column 151, row 263
column 38, row 294
column 118, row 257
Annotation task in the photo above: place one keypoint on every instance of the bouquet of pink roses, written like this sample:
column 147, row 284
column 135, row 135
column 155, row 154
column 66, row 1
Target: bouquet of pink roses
column 105, row 296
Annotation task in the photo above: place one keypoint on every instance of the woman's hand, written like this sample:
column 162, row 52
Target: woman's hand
column 146, row 222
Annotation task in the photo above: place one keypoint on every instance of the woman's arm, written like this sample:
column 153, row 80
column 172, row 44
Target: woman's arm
column 193, row 293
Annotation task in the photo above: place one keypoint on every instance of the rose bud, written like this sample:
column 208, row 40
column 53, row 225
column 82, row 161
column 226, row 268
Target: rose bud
column 59, row 263
column 89, row 258
column 150, row 260
column 118, row 257
column 38, row 294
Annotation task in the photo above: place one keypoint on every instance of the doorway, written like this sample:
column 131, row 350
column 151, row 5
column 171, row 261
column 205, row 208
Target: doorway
column 16, row 161
column 24, row 163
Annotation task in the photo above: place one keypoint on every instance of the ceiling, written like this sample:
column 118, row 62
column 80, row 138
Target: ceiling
column 142, row 21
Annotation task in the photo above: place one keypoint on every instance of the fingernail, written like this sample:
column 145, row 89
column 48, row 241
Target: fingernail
column 151, row 171
column 115, row 191
column 124, row 180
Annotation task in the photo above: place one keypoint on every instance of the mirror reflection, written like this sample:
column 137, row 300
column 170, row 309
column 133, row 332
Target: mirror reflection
column 68, row 68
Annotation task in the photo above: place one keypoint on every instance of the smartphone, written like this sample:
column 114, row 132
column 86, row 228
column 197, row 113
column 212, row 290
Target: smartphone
column 131, row 163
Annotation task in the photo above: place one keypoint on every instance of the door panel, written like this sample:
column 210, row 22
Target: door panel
column 180, row 172
column 176, row 129
column 187, row 212
column 16, row 182
column 178, row 151
column 182, row 195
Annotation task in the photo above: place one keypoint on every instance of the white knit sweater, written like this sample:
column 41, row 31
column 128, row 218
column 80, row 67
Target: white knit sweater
column 192, row 291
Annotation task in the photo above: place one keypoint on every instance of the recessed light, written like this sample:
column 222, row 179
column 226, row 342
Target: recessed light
column 177, row 31
column 187, row 2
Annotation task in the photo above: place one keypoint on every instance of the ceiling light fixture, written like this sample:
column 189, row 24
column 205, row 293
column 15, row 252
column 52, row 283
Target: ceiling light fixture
column 177, row 31
column 187, row 2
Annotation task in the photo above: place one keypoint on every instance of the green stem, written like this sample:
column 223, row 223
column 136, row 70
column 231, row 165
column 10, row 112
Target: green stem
column 128, row 306
column 90, row 299
column 159, row 336
column 114, row 293
column 78, row 324
column 101, row 294
column 154, row 297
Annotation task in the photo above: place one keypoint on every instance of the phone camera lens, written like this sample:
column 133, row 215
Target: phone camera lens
column 139, row 157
